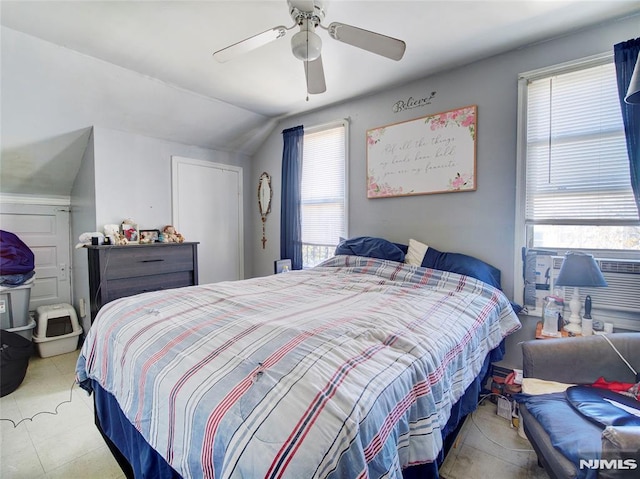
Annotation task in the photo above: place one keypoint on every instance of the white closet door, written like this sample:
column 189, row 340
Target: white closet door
column 207, row 207
column 45, row 229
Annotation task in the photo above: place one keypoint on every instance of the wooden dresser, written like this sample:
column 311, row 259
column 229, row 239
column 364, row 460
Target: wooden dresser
column 118, row 271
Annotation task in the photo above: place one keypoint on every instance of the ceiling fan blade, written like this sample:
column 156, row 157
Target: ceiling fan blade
column 250, row 43
column 314, row 73
column 373, row 42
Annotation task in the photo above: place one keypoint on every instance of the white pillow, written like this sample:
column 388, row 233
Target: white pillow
column 415, row 253
column 540, row 386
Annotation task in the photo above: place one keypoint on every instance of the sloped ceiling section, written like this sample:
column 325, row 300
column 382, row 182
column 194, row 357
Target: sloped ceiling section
column 51, row 97
column 174, row 40
column 44, row 167
column 146, row 67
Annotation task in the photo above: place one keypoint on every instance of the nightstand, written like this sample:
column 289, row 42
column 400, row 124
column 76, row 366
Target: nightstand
column 565, row 334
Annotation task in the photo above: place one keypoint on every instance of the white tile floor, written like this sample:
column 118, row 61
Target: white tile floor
column 475, row 455
column 68, row 445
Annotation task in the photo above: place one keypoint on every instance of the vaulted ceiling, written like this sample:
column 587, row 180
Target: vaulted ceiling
column 161, row 53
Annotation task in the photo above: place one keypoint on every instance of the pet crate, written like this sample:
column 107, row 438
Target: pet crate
column 57, row 330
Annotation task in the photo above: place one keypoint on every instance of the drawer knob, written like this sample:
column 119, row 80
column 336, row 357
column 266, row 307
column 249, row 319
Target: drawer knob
column 151, row 260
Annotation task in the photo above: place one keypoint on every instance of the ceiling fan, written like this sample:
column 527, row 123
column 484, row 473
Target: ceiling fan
column 306, row 45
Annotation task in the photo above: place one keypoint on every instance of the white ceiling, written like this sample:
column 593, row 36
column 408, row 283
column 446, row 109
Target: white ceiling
column 146, row 67
column 173, row 41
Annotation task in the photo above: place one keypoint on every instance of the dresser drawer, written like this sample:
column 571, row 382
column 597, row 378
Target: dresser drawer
column 145, row 261
column 118, row 288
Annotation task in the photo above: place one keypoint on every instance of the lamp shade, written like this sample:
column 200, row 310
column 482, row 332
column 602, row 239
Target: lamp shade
column 580, row 270
column 633, row 92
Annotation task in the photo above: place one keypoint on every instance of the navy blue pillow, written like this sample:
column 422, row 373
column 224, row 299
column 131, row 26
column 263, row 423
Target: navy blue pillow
column 462, row 264
column 371, row 247
column 403, row 247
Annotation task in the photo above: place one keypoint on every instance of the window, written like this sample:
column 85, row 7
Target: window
column 573, row 156
column 574, row 185
column 324, row 191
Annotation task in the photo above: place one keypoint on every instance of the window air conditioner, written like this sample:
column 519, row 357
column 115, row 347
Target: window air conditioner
column 618, row 303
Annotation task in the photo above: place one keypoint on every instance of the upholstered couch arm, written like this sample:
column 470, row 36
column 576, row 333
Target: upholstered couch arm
column 624, row 438
column 622, row 444
column 582, row 360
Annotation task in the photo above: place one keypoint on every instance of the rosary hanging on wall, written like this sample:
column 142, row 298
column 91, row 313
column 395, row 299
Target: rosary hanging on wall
column 264, row 202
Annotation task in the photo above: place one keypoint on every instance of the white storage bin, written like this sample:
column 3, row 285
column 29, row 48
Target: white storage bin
column 57, row 330
column 14, row 305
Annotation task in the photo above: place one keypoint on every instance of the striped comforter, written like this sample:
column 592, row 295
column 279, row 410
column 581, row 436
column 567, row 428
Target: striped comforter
column 347, row 370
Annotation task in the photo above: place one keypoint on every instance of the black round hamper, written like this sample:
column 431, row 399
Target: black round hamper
column 14, row 360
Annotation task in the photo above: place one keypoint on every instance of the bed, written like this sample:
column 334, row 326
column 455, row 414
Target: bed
column 350, row 369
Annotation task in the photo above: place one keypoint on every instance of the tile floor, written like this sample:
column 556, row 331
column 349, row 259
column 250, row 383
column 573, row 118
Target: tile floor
column 68, row 445
column 475, row 455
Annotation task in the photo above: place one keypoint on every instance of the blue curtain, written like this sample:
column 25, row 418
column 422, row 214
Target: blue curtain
column 626, row 55
column 290, row 216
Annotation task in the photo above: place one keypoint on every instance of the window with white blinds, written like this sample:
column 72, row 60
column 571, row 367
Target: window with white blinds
column 576, row 165
column 323, row 192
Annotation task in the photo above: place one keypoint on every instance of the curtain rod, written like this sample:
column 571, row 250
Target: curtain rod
column 322, row 126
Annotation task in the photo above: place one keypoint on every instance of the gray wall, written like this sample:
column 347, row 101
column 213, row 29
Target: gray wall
column 83, row 219
column 133, row 176
column 479, row 223
column 52, row 96
column 126, row 175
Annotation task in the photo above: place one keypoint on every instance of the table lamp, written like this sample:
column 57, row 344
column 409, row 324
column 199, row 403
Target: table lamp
column 578, row 270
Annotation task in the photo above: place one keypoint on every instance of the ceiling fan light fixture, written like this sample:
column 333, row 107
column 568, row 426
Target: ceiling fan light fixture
column 306, row 45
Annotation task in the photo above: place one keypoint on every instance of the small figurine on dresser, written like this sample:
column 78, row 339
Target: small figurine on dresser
column 112, row 233
column 170, row 235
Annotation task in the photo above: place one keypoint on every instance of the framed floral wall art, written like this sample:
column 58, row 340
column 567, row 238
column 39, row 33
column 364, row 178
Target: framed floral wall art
column 432, row 154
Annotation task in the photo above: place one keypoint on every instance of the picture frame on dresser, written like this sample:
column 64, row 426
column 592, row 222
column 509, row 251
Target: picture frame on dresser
column 130, row 231
column 149, row 236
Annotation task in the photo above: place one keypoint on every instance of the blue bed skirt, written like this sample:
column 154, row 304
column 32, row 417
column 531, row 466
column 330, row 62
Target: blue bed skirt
column 137, row 458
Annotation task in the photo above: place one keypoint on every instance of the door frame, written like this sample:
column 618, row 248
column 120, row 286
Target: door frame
column 176, row 161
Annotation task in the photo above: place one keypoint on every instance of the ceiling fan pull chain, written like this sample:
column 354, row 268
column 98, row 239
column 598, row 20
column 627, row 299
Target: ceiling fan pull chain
column 306, row 65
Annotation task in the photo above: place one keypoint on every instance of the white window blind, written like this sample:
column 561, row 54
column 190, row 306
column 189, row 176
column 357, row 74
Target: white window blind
column 575, row 174
column 323, row 192
column 577, row 170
